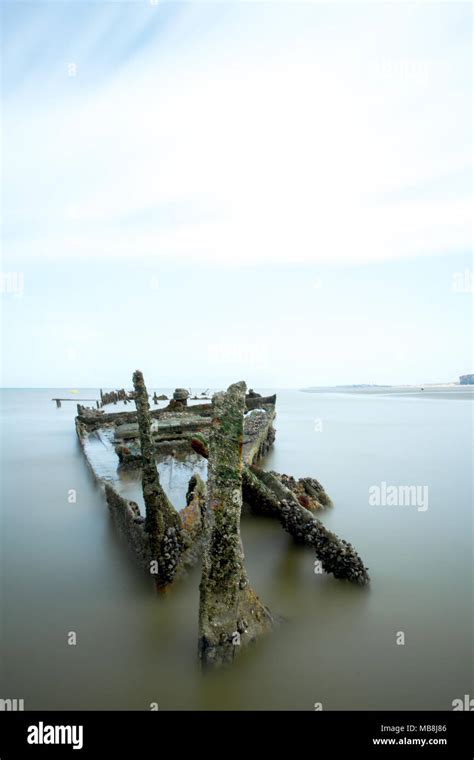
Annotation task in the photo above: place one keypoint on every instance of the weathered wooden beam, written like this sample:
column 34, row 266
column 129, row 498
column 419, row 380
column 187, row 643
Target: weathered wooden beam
column 230, row 613
column 265, row 492
column 162, row 522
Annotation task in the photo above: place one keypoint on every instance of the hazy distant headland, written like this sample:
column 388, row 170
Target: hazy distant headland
column 458, row 391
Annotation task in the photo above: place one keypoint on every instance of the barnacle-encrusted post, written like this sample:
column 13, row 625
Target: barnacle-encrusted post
column 266, row 493
column 230, row 613
column 162, row 522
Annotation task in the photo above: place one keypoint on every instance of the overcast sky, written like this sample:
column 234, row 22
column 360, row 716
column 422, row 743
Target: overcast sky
column 279, row 192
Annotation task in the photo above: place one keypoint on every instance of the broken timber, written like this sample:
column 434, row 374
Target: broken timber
column 266, row 492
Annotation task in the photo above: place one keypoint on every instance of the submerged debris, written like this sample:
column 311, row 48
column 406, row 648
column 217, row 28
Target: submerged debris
column 265, row 492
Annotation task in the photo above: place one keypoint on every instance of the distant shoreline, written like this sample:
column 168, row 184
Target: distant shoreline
column 430, row 390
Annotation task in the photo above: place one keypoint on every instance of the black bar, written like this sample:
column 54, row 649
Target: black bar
column 136, row 734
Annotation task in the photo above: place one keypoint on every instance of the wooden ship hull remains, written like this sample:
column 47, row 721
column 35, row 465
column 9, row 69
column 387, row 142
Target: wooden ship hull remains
column 215, row 449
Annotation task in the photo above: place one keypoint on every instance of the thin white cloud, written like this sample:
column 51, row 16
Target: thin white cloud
column 291, row 159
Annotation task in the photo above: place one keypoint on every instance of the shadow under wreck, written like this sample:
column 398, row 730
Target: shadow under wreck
column 214, row 448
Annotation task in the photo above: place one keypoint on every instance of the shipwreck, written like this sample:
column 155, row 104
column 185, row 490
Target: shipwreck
column 216, row 448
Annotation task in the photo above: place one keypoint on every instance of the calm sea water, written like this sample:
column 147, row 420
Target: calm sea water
column 65, row 568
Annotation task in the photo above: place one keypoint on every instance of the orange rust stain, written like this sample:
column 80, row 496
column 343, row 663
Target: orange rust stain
column 190, row 515
column 306, row 502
